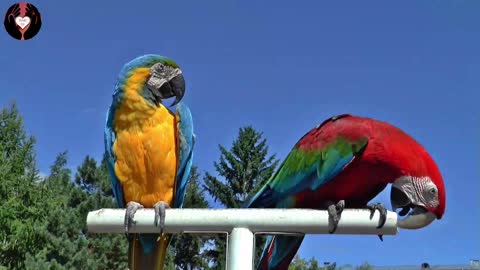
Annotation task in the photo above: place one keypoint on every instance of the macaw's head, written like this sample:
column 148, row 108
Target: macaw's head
column 420, row 194
column 154, row 78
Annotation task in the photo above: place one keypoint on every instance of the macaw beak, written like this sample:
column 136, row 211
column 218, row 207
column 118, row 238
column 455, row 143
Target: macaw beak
column 174, row 88
column 178, row 84
column 166, row 83
column 401, row 198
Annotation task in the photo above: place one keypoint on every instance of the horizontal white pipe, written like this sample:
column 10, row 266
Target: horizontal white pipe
column 188, row 220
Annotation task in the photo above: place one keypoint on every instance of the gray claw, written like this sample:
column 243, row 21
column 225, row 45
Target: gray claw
column 132, row 208
column 381, row 237
column 383, row 213
column 160, row 208
column 334, row 214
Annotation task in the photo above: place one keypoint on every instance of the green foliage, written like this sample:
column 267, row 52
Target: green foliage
column 16, row 148
column 42, row 220
column 332, row 266
column 18, row 190
column 68, row 244
column 302, row 264
column 299, row 263
column 364, row 266
column 244, row 169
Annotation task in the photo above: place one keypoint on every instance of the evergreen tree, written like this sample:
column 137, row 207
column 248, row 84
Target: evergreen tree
column 109, row 250
column 21, row 226
column 42, row 220
column 68, row 246
column 244, row 169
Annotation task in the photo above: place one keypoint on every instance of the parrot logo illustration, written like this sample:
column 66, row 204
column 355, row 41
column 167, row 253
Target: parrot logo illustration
column 149, row 150
column 345, row 162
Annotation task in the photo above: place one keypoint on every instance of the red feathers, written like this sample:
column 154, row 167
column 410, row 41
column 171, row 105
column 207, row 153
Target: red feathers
column 390, row 153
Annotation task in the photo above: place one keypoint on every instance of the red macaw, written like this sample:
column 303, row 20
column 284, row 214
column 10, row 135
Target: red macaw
column 345, row 162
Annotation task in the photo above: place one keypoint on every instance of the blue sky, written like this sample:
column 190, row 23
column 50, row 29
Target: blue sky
column 283, row 68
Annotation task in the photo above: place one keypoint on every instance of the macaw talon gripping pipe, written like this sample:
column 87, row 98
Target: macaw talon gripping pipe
column 383, row 215
column 132, row 208
column 160, row 208
column 381, row 209
column 334, row 214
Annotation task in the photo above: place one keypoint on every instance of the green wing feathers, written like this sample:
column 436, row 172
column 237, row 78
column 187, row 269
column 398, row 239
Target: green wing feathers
column 308, row 168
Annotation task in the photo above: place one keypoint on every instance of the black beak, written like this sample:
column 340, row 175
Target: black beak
column 178, row 88
column 173, row 88
column 400, row 200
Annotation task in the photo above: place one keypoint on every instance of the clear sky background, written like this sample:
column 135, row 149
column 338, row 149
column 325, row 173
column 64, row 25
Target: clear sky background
column 283, row 67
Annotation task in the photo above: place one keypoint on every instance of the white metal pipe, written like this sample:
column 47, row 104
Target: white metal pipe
column 240, row 249
column 305, row 221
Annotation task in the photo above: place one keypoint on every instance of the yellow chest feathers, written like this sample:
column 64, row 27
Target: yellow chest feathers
column 146, row 156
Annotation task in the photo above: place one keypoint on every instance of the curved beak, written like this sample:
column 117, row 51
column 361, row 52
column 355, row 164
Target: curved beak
column 177, row 84
column 166, row 85
column 418, row 218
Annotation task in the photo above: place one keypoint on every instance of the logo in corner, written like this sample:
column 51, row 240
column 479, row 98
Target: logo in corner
column 22, row 21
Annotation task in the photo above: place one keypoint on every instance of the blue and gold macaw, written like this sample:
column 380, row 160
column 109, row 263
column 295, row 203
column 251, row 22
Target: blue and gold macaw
column 149, row 150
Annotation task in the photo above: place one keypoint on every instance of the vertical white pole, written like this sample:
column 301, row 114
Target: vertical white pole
column 240, row 249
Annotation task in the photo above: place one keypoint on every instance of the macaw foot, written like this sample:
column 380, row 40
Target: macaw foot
column 160, row 208
column 132, row 207
column 383, row 215
column 334, row 214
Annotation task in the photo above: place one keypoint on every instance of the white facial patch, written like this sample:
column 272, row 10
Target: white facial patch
column 420, row 190
column 162, row 71
column 430, row 194
column 404, row 183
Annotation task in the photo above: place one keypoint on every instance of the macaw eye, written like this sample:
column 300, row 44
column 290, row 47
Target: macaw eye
column 432, row 190
column 158, row 68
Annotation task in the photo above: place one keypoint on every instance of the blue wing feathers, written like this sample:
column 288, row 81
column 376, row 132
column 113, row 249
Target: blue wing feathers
column 109, row 137
column 186, row 138
column 328, row 168
column 261, row 199
column 181, row 187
